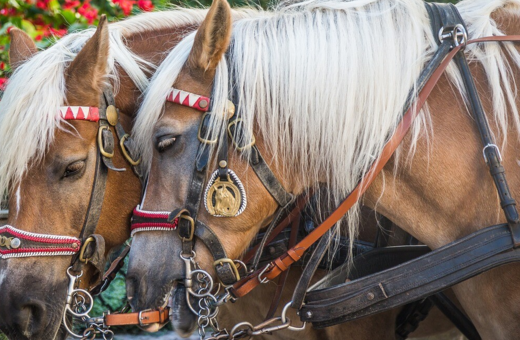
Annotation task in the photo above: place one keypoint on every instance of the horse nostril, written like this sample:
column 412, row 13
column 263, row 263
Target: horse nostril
column 132, row 287
column 30, row 318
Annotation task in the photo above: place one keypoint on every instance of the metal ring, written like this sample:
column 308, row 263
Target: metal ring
column 91, row 304
column 125, row 152
column 100, row 142
column 200, row 271
column 84, row 248
column 236, row 329
column 284, row 318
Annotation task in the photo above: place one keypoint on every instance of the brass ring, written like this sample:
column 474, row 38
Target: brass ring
column 83, row 248
column 231, row 263
column 100, row 142
column 125, row 151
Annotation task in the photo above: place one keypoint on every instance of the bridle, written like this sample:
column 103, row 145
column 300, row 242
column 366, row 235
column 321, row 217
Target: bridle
column 88, row 247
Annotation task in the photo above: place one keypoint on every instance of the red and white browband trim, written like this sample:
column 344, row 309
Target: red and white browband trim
column 195, row 101
column 151, row 220
column 19, row 243
column 80, row 113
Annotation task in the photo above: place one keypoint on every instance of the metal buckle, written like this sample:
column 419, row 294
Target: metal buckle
column 199, row 136
column 458, row 34
column 140, row 317
column 231, row 135
column 491, row 146
column 83, row 248
column 231, row 263
column 126, row 154
column 192, row 226
column 100, row 142
column 265, row 279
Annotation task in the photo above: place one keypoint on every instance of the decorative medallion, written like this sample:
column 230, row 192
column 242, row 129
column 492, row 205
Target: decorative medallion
column 225, row 198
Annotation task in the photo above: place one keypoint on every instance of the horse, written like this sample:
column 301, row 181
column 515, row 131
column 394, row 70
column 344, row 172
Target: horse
column 30, row 315
column 48, row 161
column 320, row 85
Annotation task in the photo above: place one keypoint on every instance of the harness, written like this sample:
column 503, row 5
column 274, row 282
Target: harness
column 88, row 247
column 332, row 301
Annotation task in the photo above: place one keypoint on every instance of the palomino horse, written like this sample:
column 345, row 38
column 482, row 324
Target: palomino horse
column 35, row 170
column 322, row 85
column 48, row 164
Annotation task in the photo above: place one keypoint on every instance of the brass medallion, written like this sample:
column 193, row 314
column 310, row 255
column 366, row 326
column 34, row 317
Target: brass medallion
column 112, row 115
column 223, row 198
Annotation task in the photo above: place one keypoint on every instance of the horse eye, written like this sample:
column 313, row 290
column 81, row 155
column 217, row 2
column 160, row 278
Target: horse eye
column 164, row 143
column 74, row 168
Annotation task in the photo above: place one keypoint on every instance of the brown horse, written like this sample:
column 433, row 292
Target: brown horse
column 322, row 85
column 48, row 164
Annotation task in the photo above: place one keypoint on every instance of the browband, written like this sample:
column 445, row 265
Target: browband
column 80, row 113
column 189, row 99
column 18, row 243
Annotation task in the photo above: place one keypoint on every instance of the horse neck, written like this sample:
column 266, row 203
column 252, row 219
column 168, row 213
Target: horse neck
column 445, row 192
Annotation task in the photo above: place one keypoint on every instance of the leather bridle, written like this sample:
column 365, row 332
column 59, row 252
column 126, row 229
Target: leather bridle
column 88, row 248
column 378, row 292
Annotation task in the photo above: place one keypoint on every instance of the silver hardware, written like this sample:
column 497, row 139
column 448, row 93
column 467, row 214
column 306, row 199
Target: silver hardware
column 264, row 280
column 458, row 34
column 309, row 314
column 284, row 318
column 15, row 243
column 491, row 146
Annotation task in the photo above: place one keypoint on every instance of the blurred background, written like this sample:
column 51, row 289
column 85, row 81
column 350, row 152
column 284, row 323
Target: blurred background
column 48, row 20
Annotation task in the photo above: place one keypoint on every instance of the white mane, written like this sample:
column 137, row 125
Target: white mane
column 29, row 109
column 326, row 81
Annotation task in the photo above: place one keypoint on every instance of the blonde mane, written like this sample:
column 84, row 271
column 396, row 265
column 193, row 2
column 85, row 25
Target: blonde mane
column 29, row 109
column 326, row 81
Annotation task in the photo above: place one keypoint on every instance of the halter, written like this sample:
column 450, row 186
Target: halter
column 88, row 247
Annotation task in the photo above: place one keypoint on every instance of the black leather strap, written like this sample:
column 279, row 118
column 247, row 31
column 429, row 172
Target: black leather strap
column 410, row 281
column 225, row 270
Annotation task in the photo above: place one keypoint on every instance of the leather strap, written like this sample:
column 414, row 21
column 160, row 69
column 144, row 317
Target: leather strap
column 276, row 267
column 412, row 280
column 142, row 318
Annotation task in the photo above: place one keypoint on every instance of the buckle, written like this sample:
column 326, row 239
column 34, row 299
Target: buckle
column 199, row 135
column 84, row 248
column 140, row 317
column 126, row 154
column 100, row 142
column 232, row 136
column 192, row 226
column 231, row 263
column 494, row 146
column 265, row 279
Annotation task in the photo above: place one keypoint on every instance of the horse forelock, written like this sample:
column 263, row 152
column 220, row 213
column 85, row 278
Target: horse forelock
column 29, row 109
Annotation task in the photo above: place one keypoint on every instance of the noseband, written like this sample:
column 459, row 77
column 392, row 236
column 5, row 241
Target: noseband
column 88, row 247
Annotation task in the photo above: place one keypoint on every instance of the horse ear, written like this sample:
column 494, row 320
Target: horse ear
column 22, row 48
column 213, row 37
column 86, row 74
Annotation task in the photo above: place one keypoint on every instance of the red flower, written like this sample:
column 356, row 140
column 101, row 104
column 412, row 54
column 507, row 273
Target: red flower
column 3, row 84
column 145, row 5
column 69, row 4
column 89, row 12
column 58, row 32
column 39, row 37
column 2, row 65
column 126, row 5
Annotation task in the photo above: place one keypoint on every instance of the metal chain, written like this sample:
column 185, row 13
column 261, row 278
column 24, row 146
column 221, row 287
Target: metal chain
column 199, row 287
column 78, row 304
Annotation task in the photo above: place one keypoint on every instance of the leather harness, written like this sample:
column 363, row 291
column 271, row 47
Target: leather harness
column 403, row 281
